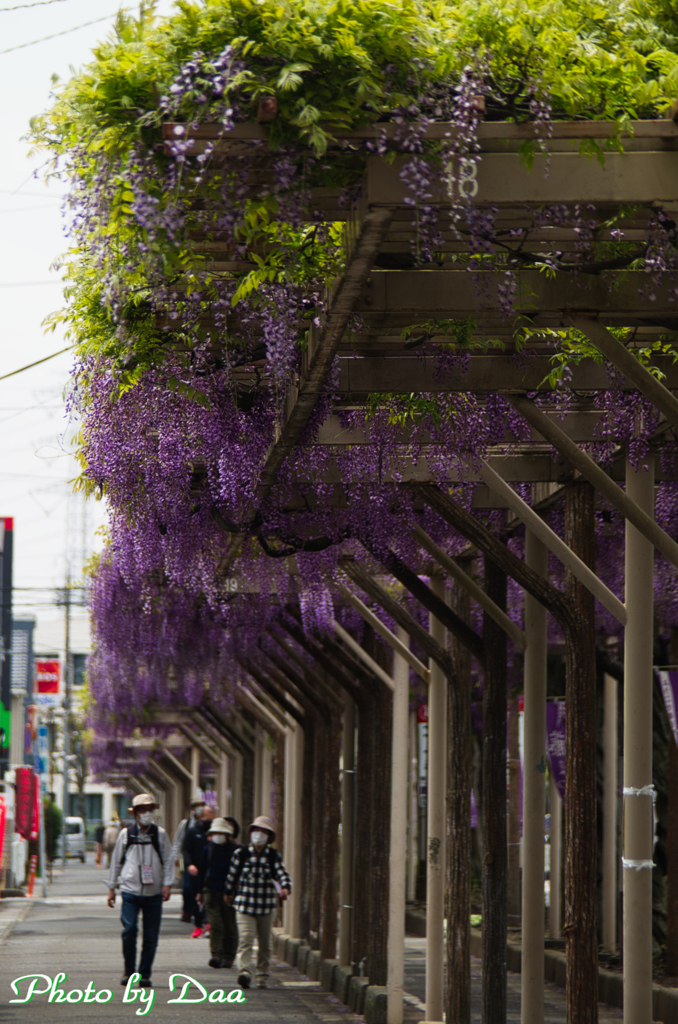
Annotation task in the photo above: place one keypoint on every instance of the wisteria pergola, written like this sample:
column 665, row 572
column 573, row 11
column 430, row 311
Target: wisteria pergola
column 383, row 319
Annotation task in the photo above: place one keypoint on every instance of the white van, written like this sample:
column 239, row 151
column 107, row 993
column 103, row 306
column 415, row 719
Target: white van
column 75, row 839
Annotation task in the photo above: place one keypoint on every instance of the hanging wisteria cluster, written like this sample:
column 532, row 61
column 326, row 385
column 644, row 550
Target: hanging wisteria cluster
column 197, row 273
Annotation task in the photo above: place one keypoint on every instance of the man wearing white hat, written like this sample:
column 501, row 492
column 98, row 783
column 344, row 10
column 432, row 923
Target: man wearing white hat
column 142, row 866
column 256, row 877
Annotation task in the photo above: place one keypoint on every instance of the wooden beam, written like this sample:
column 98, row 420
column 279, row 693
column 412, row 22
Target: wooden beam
column 477, row 593
column 378, row 626
column 625, row 361
column 360, row 376
column 354, row 646
column 366, row 582
column 449, row 293
column 633, row 178
column 555, row 544
column 597, row 476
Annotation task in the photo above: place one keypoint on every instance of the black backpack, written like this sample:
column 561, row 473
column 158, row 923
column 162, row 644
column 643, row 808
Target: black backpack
column 133, row 840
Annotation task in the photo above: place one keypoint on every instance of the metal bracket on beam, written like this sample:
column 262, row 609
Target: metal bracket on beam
column 378, row 626
column 476, row 592
column 554, row 543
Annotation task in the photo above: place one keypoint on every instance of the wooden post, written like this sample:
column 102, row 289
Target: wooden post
column 672, row 862
column 459, row 772
column 581, row 851
column 413, row 809
column 494, row 805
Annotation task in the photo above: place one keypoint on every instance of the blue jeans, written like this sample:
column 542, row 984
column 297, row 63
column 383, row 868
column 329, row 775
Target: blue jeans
column 151, row 908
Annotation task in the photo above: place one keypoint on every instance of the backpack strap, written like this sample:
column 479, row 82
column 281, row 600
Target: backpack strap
column 132, row 837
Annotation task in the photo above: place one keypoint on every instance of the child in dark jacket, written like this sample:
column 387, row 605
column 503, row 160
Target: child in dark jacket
column 214, row 866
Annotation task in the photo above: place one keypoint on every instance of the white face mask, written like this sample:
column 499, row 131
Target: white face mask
column 145, row 817
column 259, row 838
column 218, row 838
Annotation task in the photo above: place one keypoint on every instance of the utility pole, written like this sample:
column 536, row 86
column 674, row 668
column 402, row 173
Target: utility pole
column 67, row 707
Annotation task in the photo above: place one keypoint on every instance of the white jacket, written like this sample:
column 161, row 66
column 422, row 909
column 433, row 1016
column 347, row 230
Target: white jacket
column 142, row 852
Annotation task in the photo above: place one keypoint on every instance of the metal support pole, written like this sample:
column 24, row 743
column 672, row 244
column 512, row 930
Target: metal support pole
column 288, row 849
column 413, row 810
column 399, row 771
column 195, row 769
column 347, row 837
column 223, row 784
column 609, row 865
column 435, row 860
column 534, row 747
column 295, row 913
column 555, row 848
column 637, row 838
column 67, row 711
column 266, row 777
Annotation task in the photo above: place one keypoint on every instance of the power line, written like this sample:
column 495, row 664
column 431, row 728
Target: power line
column 37, row 362
column 55, row 35
column 39, row 3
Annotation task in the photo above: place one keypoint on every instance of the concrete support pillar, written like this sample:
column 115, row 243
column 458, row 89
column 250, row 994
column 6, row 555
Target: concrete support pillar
column 435, row 859
column 288, row 850
column 412, row 810
column 347, row 833
column 534, row 805
column 295, row 910
column 609, row 865
column 399, row 803
column 266, row 777
column 555, row 848
column 637, row 837
column 195, row 769
column 222, row 785
column 236, row 788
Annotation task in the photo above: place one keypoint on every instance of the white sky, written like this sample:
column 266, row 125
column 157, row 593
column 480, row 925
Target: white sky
column 35, row 463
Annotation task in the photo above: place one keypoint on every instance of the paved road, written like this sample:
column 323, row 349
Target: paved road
column 75, row 933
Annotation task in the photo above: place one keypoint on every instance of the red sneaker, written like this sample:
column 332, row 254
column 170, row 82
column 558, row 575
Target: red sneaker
column 196, row 933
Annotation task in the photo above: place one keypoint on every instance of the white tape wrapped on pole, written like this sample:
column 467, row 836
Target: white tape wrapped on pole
column 554, row 543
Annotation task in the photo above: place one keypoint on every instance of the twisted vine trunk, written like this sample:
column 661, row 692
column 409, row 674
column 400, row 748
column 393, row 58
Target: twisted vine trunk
column 459, row 770
column 581, row 860
column 494, row 805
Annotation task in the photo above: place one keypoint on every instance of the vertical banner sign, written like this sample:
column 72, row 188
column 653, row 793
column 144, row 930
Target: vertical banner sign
column 47, row 683
column 6, row 539
column 555, row 742
column 35, row 819
column 669, row 685
column 422, row 769
column 3, row 823
column 23, row 809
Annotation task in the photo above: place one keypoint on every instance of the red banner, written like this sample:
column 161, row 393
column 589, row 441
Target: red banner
column 23, row 811
column 47, row 676
column 35, row 819
column 3, row 822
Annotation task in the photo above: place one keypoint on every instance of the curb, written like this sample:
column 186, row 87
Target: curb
column 13, row 916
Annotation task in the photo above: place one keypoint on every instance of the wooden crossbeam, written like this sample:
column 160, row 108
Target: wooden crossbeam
column 361, row 376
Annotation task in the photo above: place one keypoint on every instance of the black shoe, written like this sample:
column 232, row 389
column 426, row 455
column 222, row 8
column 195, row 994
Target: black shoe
column 124, row 979
column 244, row 979
column 145, row 983
column 225, row 962
column 214, row 961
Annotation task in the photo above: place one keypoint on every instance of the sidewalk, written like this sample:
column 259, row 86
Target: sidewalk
column 74, row 932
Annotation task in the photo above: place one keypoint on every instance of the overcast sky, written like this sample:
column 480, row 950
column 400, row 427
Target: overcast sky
column 51, row 524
